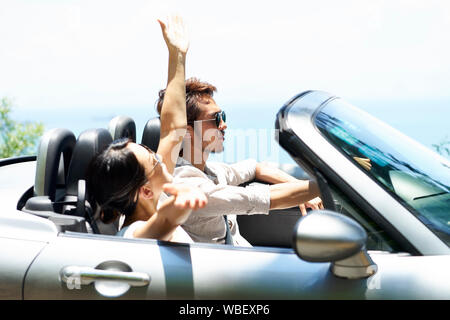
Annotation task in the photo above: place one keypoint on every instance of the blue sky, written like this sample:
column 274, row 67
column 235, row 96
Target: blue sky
column 67, row 54
column 102, row 55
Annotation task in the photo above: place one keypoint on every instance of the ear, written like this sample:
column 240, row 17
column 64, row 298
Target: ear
column 146, row 192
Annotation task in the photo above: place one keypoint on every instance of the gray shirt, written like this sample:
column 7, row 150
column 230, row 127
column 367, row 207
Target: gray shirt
column 220, row 182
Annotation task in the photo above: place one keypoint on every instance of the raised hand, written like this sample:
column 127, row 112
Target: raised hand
column 175, row 33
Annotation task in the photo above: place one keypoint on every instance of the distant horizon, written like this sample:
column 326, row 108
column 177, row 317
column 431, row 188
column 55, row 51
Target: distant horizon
column 409, row 117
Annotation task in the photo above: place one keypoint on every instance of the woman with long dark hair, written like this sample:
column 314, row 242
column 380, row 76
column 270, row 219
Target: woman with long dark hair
column 129, row 179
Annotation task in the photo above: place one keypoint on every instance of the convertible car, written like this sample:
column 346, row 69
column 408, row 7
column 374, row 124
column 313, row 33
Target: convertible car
column 384, row 233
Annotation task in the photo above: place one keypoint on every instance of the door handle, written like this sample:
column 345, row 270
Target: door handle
column 86, row 275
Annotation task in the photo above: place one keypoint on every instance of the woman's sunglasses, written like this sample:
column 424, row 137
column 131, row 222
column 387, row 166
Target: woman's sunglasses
column 220, row 116
column 156, row 156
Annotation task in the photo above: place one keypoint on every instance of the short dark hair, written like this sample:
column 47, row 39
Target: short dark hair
column 196, row 91
column 114, row 177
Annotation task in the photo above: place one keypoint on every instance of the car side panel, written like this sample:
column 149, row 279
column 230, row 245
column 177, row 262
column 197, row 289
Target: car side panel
column 181, row 271
column 43, row 280
column 256, row 274
column 409, row 277
column 15, row 258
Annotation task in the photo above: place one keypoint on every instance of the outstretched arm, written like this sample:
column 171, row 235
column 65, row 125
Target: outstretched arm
column 173, row 212
column 290, row 194
column 270, row 174
column 173, row 111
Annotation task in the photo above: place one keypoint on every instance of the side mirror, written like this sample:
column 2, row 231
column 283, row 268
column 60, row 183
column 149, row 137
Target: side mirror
column 327, row 236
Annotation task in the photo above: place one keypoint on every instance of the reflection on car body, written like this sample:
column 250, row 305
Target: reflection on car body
column 384, row 235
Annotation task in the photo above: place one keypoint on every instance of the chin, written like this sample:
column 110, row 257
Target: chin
column 217, row 150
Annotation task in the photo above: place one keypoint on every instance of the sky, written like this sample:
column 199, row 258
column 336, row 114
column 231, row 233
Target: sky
column 66, row 54
column 104, row 54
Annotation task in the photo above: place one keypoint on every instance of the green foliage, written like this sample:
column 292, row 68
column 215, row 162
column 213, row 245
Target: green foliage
column 17, row 138
column 443, row 147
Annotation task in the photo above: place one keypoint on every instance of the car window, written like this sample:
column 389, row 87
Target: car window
column 418, row 178
column 377, row 238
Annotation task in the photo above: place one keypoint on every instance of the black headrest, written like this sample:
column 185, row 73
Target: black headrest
column 89, row 143
column 122, row 127
column 150, row 136
column 55, row 148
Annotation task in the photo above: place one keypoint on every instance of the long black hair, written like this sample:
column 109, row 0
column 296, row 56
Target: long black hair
column 114, row 177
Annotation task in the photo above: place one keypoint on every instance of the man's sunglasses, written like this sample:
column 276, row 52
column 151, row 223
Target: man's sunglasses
column 220, row 116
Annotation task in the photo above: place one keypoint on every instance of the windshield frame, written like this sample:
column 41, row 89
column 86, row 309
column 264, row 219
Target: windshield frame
column 444, row 237
column 310, row 150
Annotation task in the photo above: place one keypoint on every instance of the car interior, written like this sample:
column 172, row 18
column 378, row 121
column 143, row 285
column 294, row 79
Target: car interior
column 59, row 193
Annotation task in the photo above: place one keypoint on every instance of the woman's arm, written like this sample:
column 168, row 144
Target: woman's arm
column 173, row 110
column 173, row 212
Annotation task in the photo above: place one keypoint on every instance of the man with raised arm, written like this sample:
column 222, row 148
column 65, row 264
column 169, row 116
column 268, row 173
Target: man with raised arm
column 221, row 182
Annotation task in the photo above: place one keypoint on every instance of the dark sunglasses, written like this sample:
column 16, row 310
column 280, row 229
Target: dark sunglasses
column 220, row 116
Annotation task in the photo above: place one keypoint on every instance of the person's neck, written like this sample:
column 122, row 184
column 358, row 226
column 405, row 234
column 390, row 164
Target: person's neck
column 197, row 158
column 143, row 212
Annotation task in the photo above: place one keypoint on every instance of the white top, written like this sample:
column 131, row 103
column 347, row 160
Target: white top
column 179, row 234
column 220, row 182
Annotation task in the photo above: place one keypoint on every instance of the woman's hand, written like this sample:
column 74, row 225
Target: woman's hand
column 186, row 197
column 173, row 212
column 175, row 33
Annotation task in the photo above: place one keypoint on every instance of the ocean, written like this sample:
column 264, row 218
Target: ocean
column 428, row 122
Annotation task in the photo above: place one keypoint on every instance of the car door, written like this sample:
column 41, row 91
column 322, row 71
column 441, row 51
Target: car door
column 79, row 266
column 16, row 256
column 83, row 266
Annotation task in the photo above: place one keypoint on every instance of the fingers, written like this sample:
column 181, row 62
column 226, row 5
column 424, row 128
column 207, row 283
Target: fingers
column 321, row 206
column 303, row 210
column 190, row 202
column 170, row 188
column 186, row 197
column 175, row 33
column 314, row 204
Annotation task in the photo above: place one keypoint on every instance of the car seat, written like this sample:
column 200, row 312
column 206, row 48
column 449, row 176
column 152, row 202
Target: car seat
column 52, row 162
column 52, row 166
column 89, row 143
column 151, row 133
column 122, row 127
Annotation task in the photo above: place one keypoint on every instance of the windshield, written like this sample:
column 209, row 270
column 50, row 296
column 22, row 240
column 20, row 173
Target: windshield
column 416, row 176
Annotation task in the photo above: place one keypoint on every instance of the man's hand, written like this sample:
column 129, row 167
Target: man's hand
column 175, row 33
column 314, row 204
column 364, row 162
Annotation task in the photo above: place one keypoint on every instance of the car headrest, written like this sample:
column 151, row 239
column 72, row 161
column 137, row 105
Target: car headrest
column 52, row 163
column 122, row 127
column 89, row 143
column 151, row 134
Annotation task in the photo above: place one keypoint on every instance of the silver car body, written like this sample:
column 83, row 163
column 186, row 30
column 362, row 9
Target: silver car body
column 39, row 262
